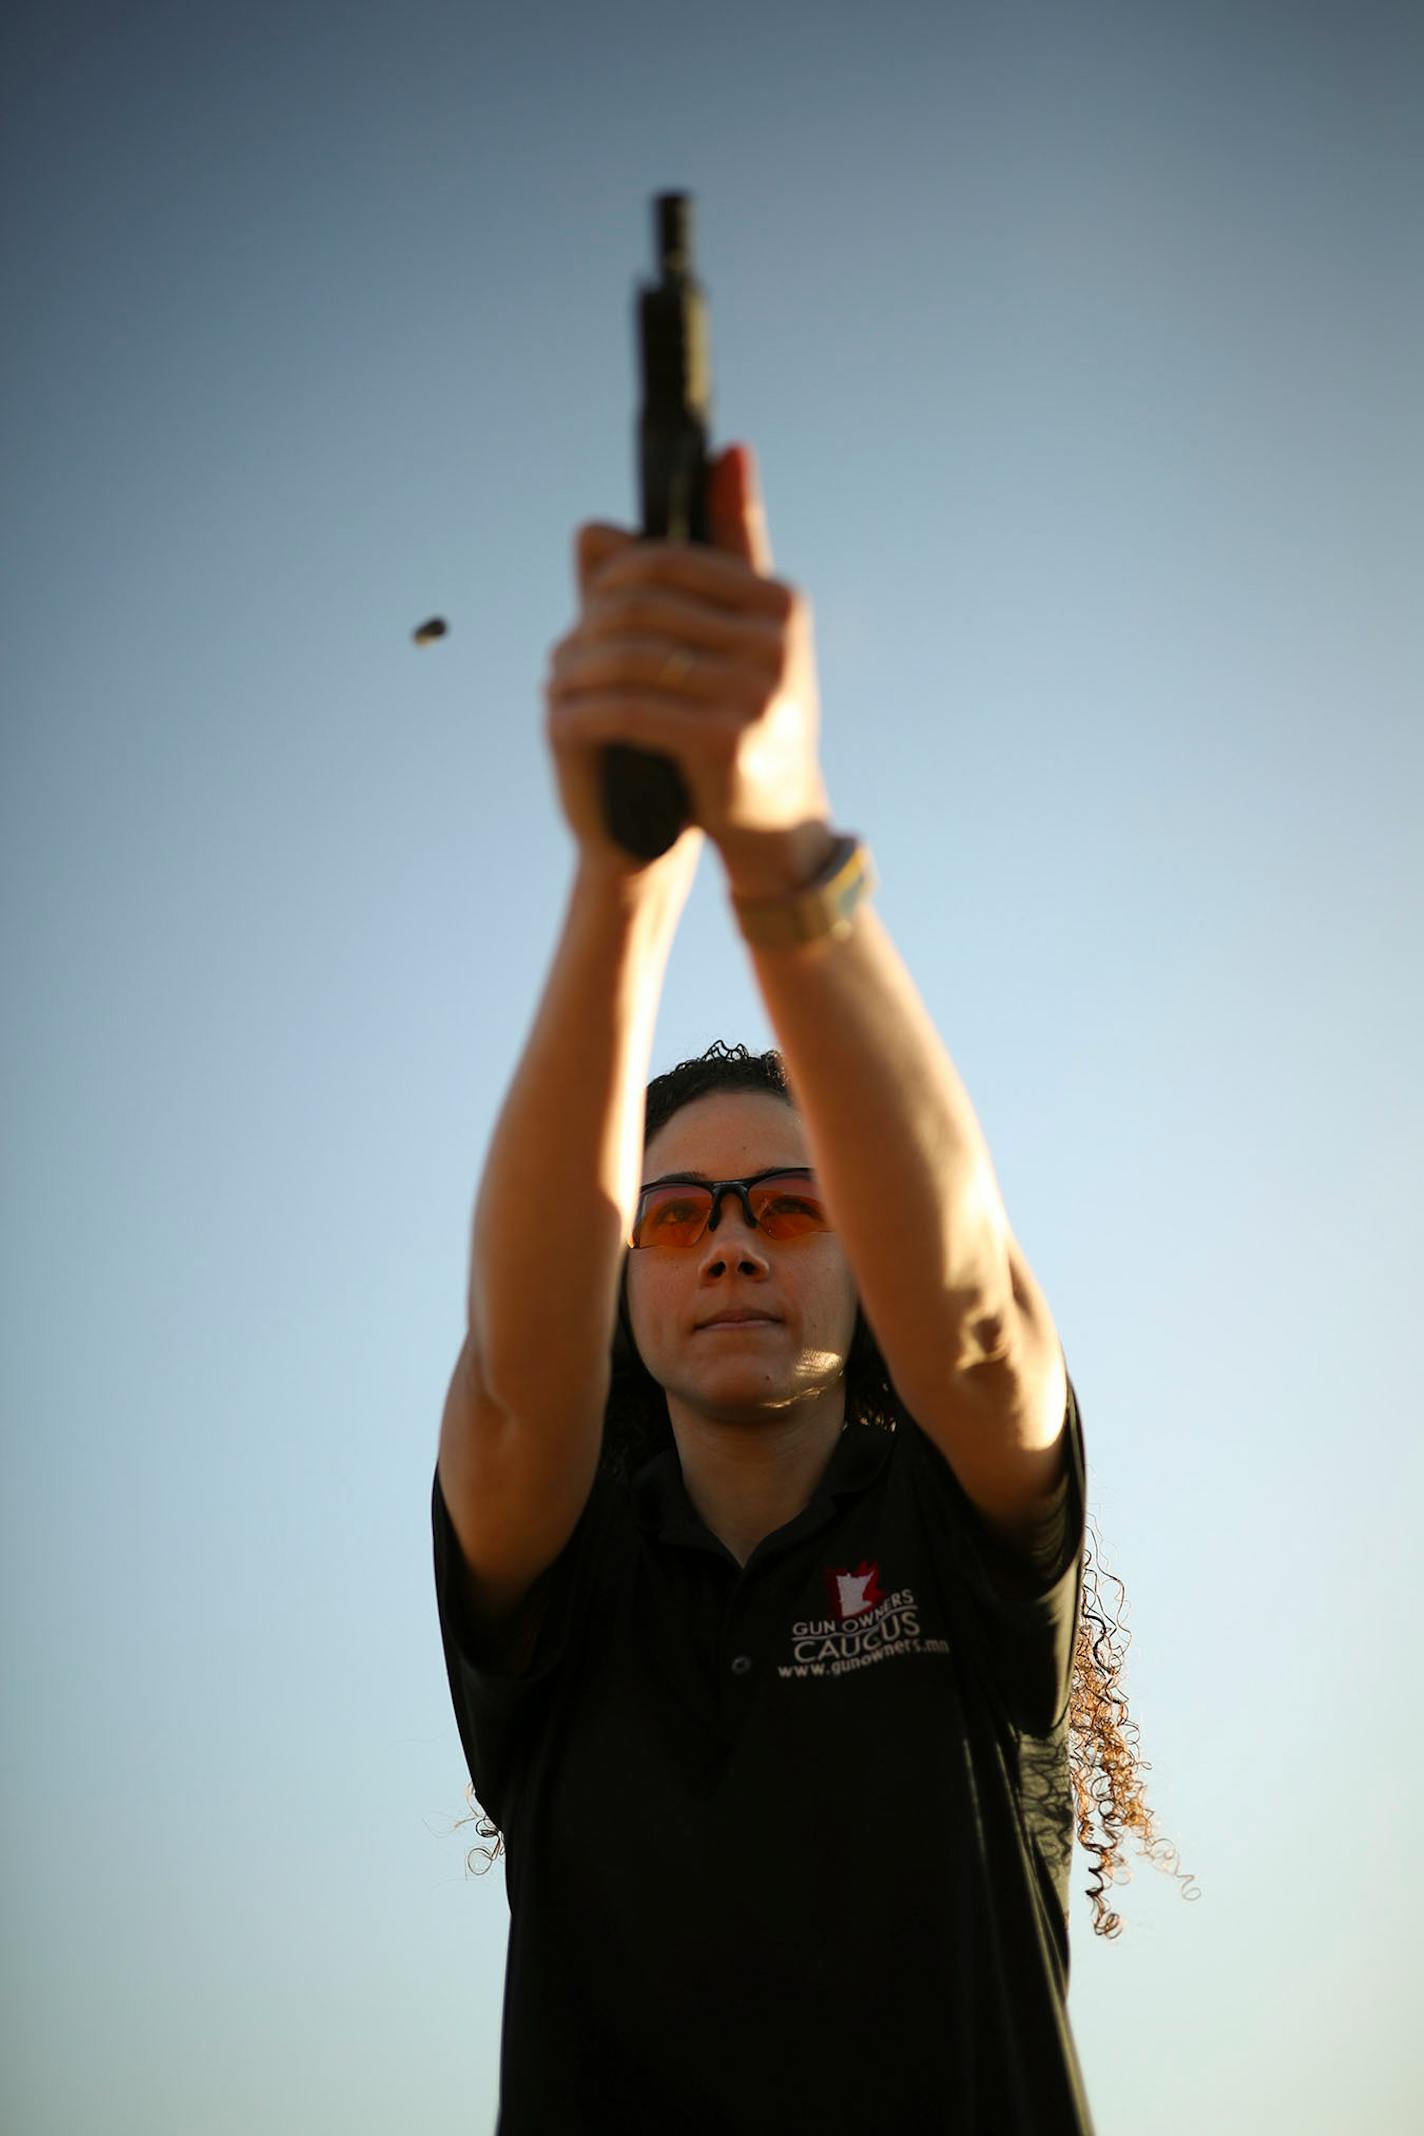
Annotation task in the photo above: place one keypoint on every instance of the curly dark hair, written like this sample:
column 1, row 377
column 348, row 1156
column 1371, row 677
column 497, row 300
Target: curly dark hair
column 1106, row 1770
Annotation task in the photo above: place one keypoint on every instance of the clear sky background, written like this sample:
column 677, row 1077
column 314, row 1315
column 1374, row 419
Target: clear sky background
column 1080, row 347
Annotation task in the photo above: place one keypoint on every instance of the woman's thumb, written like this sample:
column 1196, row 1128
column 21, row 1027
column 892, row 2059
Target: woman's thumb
column 735, row 508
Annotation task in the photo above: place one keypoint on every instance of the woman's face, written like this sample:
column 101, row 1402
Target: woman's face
column 764, row 1366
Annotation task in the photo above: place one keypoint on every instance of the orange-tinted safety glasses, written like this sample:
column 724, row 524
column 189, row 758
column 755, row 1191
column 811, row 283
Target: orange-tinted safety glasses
column 676, row 1211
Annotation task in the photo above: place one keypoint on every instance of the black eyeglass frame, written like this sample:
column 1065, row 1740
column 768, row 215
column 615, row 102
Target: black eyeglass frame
column 716, row 1188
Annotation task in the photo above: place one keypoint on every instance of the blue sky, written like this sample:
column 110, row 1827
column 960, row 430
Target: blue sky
column 1079, row 346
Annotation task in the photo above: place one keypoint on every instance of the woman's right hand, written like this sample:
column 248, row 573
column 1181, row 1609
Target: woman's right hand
column 578, row 765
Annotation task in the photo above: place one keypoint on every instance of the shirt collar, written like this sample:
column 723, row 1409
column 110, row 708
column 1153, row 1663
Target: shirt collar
column 664, row 1508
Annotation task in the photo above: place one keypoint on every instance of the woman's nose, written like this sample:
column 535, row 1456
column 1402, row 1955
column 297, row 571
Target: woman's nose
column 735, row 1239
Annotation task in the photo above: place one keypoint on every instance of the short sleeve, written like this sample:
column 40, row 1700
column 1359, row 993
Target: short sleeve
column 1024, row 1606
column 494, row 1699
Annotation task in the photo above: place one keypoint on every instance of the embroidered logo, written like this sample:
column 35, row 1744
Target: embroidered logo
column 866, row 1625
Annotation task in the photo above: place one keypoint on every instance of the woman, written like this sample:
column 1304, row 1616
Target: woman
column 762, row 1620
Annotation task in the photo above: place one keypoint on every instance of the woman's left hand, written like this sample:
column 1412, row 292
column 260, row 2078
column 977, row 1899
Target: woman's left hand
column 697, row 653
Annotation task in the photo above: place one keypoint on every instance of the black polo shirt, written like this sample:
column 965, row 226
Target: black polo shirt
column 787, row 1847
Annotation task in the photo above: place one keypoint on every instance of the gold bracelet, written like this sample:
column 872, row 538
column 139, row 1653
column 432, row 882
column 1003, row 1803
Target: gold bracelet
column 823, row 907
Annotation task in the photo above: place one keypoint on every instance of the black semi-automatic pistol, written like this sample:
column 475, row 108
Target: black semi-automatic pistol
column 645, row 802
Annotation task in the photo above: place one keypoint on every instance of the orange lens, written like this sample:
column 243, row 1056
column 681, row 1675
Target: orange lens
column 672, row 1216
column 785, row 1208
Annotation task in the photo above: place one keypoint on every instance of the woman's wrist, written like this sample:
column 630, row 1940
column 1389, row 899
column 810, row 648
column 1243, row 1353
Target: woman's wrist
column 647, row 897
column 775, row 864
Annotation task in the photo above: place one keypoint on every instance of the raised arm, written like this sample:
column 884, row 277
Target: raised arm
column 521, row 1433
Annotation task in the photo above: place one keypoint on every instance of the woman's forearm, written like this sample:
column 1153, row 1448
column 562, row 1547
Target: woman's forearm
column 561, row 1175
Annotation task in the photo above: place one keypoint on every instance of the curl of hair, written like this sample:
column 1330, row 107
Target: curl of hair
column 1103, row 1761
